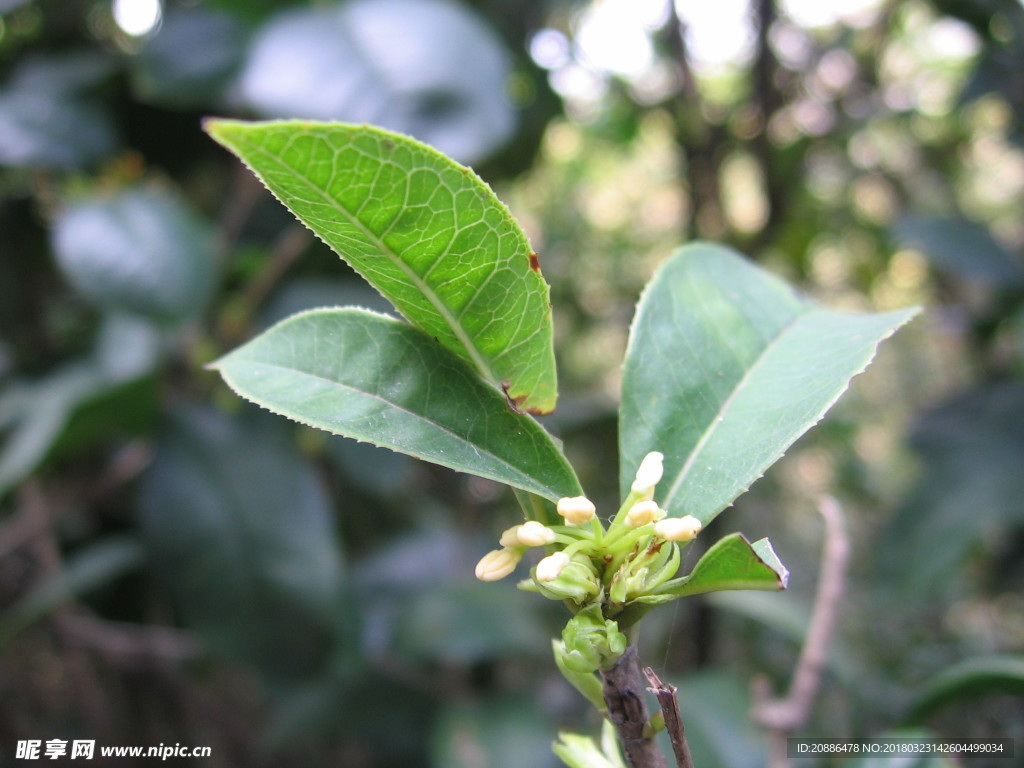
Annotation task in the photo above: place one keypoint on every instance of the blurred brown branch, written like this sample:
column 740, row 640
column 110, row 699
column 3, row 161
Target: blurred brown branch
column 781, row 717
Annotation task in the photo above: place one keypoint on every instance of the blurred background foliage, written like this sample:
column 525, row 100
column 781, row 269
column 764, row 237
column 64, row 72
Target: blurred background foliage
column 176, row 568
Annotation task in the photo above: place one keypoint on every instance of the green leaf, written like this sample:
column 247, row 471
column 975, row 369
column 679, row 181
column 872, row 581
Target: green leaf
column 240, row 529
column 971, row 449
column 88, row 399
column 726, row 367
column 715, row 707
column 425, row 231
column 732, row 562
column 445, row 82
column 47, row 118
column 191, row 60
column 140, row 250
column 464, row 623
column 355, row 373
column 961, row 246
column 970, row 678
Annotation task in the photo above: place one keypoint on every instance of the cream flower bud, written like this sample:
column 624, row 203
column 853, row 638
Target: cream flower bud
column 576, row 509
column 648, row 475
column 510, row 537
column 642, row 513
column 678, row 528
column 551, row 566
column 534, row 534
column 497, row 564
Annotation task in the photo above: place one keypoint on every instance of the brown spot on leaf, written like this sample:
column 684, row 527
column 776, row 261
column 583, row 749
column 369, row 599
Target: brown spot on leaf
column 535, row 262
column 513, row 402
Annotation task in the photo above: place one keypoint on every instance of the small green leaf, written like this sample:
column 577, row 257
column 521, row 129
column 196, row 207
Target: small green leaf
column 732, row 562
column 726, row 367
column 425, row 231
column 355, row 373
column 586, row 683
column 970, row 678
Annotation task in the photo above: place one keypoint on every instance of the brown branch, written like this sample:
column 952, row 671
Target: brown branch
column 669, row 704
column 700, row 142
column 780, row 717
column 768, row 100
column 627, row 709
column 125, row 643
column 81, row 674
column 243, row 195
column 285, row 251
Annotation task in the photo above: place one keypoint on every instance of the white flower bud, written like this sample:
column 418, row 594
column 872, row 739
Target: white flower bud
column 642, row 513
column 678, row 528
column 510, row 537
column 648, row 475
column 576, row 509
column 551, row 566
column 497, row 564
column 534, row 534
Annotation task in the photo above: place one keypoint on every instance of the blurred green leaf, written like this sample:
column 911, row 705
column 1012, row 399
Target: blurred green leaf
column 503, row 733
column 107, row 394
column 47, row 119
column 428, row 68
column 961, row 246
column 979, row 676
column 726, row 367
column 240, row 530
column 732, row 562
column 191, row 60
column 374, row 378
column 33, row 417
column 715, row 708
column 426, row 232
column 467, row 623
column 972, row 451
column 88, row 568
column 139, row 250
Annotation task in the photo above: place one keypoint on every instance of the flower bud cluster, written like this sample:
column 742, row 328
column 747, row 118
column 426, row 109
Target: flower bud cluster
column 589, row 563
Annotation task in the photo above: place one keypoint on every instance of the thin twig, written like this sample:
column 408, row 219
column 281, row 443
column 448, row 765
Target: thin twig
column 125, row 642
column 780, row 717
column 627, row 709
column 673, row 717
column 286, row 249
column 242, row 197
column 77, row 665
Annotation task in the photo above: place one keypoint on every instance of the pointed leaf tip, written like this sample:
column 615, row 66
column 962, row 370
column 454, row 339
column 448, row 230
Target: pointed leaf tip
column 426, row 232
column 725, row 368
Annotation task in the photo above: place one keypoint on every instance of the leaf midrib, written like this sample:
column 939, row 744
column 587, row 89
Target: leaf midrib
column 475, row 355
column 723, row 409
column 477, row 448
